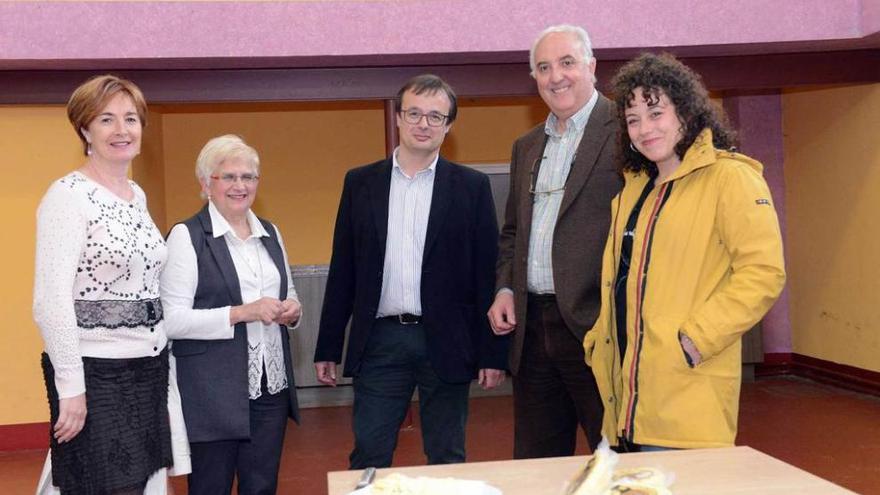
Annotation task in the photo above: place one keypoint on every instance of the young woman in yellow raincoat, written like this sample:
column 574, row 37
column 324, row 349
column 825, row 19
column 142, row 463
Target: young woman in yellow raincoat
column 693, row 260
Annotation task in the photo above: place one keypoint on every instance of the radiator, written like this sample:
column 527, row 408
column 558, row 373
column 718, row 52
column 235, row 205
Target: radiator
column 310, row 281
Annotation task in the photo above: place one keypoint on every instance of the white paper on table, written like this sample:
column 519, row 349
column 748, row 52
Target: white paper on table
column 462, row 487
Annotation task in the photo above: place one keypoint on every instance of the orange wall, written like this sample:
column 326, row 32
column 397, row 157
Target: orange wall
column 305, row 148
column 832, row 170
column 832, row 167
column 39, row 146
column 485, row 129
column 148, row 169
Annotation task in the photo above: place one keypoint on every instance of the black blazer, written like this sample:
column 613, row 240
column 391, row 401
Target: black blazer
column 213, row 374
column 457, row 280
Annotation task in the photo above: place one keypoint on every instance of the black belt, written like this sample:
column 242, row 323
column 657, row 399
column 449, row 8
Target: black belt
column 405, row 319
column 542, row 298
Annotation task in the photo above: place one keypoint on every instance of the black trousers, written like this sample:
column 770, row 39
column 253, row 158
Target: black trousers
column 255, row 461
column 395, row 362
column 554, row 391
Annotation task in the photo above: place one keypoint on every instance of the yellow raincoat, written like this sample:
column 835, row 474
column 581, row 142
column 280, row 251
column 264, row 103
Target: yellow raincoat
column 709, row 249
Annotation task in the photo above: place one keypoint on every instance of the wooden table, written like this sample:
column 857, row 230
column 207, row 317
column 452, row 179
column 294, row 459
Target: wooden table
column 734, row 470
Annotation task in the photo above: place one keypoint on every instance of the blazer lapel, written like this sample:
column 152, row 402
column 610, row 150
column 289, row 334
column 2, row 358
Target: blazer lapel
column 439, row 203
column 220, row 251
column 592, row 142
column 380, row 188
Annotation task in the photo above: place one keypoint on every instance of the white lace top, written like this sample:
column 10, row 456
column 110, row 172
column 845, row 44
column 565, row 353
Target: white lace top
column 258, row 277
column 96, row 286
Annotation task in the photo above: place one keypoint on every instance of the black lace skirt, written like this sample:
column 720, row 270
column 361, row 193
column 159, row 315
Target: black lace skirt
column 126, row 436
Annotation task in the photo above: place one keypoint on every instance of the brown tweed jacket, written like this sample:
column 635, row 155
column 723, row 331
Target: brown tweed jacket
column 581, row 227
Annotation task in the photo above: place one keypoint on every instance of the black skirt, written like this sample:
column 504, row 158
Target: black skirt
column 126, row 436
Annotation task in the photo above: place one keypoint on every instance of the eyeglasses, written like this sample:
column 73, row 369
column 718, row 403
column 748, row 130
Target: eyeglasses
column 533, row 178
column 414, row 116
column 246, row 179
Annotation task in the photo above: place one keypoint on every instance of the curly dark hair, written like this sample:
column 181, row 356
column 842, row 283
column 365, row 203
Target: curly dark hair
column 684, row 88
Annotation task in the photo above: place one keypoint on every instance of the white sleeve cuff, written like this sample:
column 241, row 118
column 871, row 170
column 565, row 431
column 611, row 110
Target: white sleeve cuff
column 70, row 381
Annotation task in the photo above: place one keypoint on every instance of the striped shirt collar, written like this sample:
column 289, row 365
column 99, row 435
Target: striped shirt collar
column 396, row 164
column 578, row 120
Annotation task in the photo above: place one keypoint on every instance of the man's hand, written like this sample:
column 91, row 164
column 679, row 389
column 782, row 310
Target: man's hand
column 502, row 317
column 326, row 371
column 490, row 378
column 71, row 417
column 291, row 310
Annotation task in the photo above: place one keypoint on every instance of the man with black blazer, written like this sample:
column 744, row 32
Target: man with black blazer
column 562, row 180
column 413, row 261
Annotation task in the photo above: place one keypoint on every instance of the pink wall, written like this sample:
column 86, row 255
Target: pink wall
column 31, row 32
column 870, row 16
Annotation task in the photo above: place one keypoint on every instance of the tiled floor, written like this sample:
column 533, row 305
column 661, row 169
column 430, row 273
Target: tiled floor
column 827, row 431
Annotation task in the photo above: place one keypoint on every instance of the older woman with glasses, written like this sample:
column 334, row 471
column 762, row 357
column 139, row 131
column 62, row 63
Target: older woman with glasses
column 229, row 299
column 693, row 260
column 96, row 302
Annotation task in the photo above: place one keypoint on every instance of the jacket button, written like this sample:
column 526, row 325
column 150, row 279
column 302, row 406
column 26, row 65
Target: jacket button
column 608, row 340
column 155, row 348
column 152, row 329
column 611, row 399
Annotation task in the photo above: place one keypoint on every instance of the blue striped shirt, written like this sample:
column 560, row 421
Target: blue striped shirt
column 409, row 203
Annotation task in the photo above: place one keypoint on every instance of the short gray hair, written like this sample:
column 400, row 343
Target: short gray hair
column 579, row 33
column 220, row 149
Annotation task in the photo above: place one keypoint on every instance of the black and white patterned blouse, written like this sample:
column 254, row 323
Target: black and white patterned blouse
column 96, row 288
